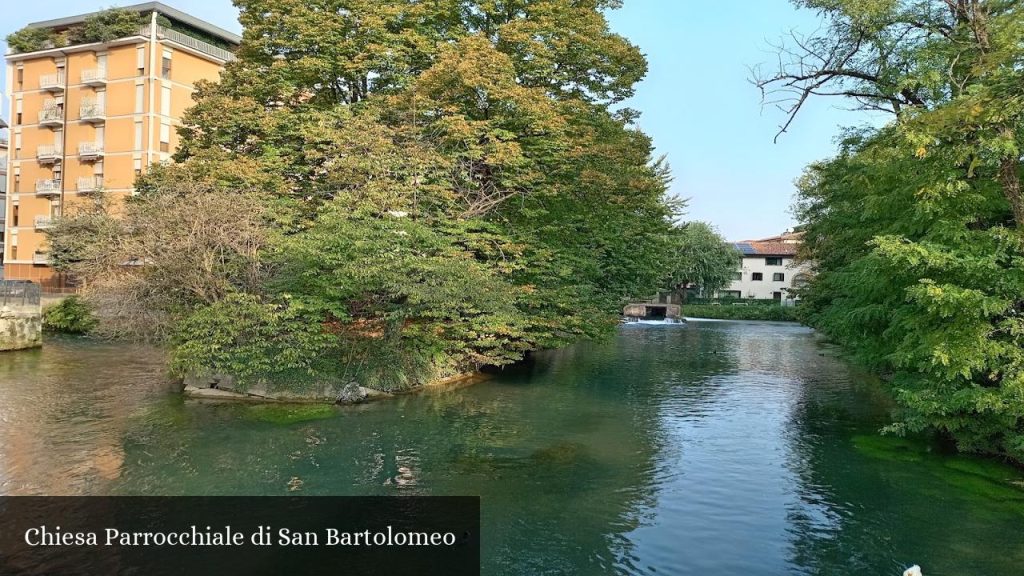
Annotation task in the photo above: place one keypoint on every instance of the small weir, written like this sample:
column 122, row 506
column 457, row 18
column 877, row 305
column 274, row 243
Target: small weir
column 644, row 313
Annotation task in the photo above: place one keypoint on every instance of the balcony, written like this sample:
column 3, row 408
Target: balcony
column 89, row 183
column 90, row 151
column 51, row 116
column 94, row 77
column 49, row 154
column 43, row 222
column 52, row 82
column 48, row 187
column 193, row 43
column 40, row 258
column 92, row 112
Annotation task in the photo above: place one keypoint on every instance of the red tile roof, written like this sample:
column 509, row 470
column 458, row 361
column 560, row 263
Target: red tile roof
column 784, row 245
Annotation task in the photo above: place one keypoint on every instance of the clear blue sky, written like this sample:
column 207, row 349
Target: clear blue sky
column 696, row 100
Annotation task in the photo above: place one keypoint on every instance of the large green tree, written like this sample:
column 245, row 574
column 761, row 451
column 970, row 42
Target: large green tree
column 916, row 228
column 446, row 184
column 701, row 259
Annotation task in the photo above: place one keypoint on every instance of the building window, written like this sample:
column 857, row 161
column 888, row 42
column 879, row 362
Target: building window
column 14, row 214
column 17, row 189
column 732, row 294
column 165, row 137
column 757, row 276
column 737, row 275
column 773, row 261
column 778, row 277
column 140, row 92
column 165, row 100
column 21, row 77
column 165, row 67
column 138, row 136
column 140, row 60
column 19, row 106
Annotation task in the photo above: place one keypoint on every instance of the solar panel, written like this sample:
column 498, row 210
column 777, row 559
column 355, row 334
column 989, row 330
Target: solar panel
column 745, row 248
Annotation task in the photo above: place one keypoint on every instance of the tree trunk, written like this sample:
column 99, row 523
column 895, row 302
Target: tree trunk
column 1009, row 177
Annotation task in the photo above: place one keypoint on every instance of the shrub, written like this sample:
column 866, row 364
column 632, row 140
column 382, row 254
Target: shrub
column 31, row 39
column 69, row 316
column 102, row 26
column 107, row 25
column 727, row 312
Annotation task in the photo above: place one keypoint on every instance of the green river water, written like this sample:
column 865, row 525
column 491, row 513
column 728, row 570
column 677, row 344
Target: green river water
column 709, row 448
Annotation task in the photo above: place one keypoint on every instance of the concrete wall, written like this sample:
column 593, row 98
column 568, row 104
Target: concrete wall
column 20, row 329
column 642, row 310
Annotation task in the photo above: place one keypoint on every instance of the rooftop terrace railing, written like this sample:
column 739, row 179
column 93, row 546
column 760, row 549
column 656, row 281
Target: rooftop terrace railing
column 194, row 43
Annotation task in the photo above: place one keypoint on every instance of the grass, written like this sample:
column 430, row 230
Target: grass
column 730, row 312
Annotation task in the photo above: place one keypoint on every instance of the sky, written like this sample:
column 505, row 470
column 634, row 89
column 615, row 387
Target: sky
column 696, row 100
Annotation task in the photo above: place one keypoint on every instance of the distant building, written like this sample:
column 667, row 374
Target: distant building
column 769, row 270
column 93, row 116
column 3, row 190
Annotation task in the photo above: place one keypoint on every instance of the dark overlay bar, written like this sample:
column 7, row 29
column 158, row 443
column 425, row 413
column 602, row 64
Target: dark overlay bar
column 244, row 536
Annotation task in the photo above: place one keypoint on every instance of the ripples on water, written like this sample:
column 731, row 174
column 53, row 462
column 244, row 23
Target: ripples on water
column 707, row 448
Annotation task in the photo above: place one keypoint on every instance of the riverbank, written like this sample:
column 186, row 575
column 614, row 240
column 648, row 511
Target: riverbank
column 740, row 312
column 222, row 389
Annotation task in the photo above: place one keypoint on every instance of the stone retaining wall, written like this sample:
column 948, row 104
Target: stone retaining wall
column 20, row 329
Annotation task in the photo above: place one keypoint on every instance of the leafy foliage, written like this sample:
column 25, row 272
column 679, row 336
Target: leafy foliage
column 107, row 25
column 423, row 188
column 103, row 26
column 701, row 258
column 726, row 311
column 69, row 316
column 30, row 39
column 915, row 228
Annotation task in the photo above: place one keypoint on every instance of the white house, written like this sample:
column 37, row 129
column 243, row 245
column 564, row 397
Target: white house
column 768, row 270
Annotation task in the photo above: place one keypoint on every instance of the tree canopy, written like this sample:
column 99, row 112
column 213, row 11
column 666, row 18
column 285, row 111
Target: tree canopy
column 425, row 188
column 701, row 258
column 915, row 228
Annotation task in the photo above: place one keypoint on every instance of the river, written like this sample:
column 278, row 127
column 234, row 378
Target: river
column 707, row 448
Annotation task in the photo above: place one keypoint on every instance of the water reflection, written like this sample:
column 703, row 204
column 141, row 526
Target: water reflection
column 711, row 448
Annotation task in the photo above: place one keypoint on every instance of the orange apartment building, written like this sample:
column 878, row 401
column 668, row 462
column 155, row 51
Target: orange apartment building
column 87, row 117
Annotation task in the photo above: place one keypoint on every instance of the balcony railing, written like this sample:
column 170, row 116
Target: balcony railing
column 91, row 111
column 51, row 116
column 43, row 222
column 52, row 82
column 47, row 187
column 48, row 154
column 94, row 77
column 3, row 163
column 89, row 183
column 90, row 150
column 40, row 258
column 193, row 43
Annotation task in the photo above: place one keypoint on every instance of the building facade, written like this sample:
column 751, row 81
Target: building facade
column 769, row 269
column 91, row 117
column 4, row 139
